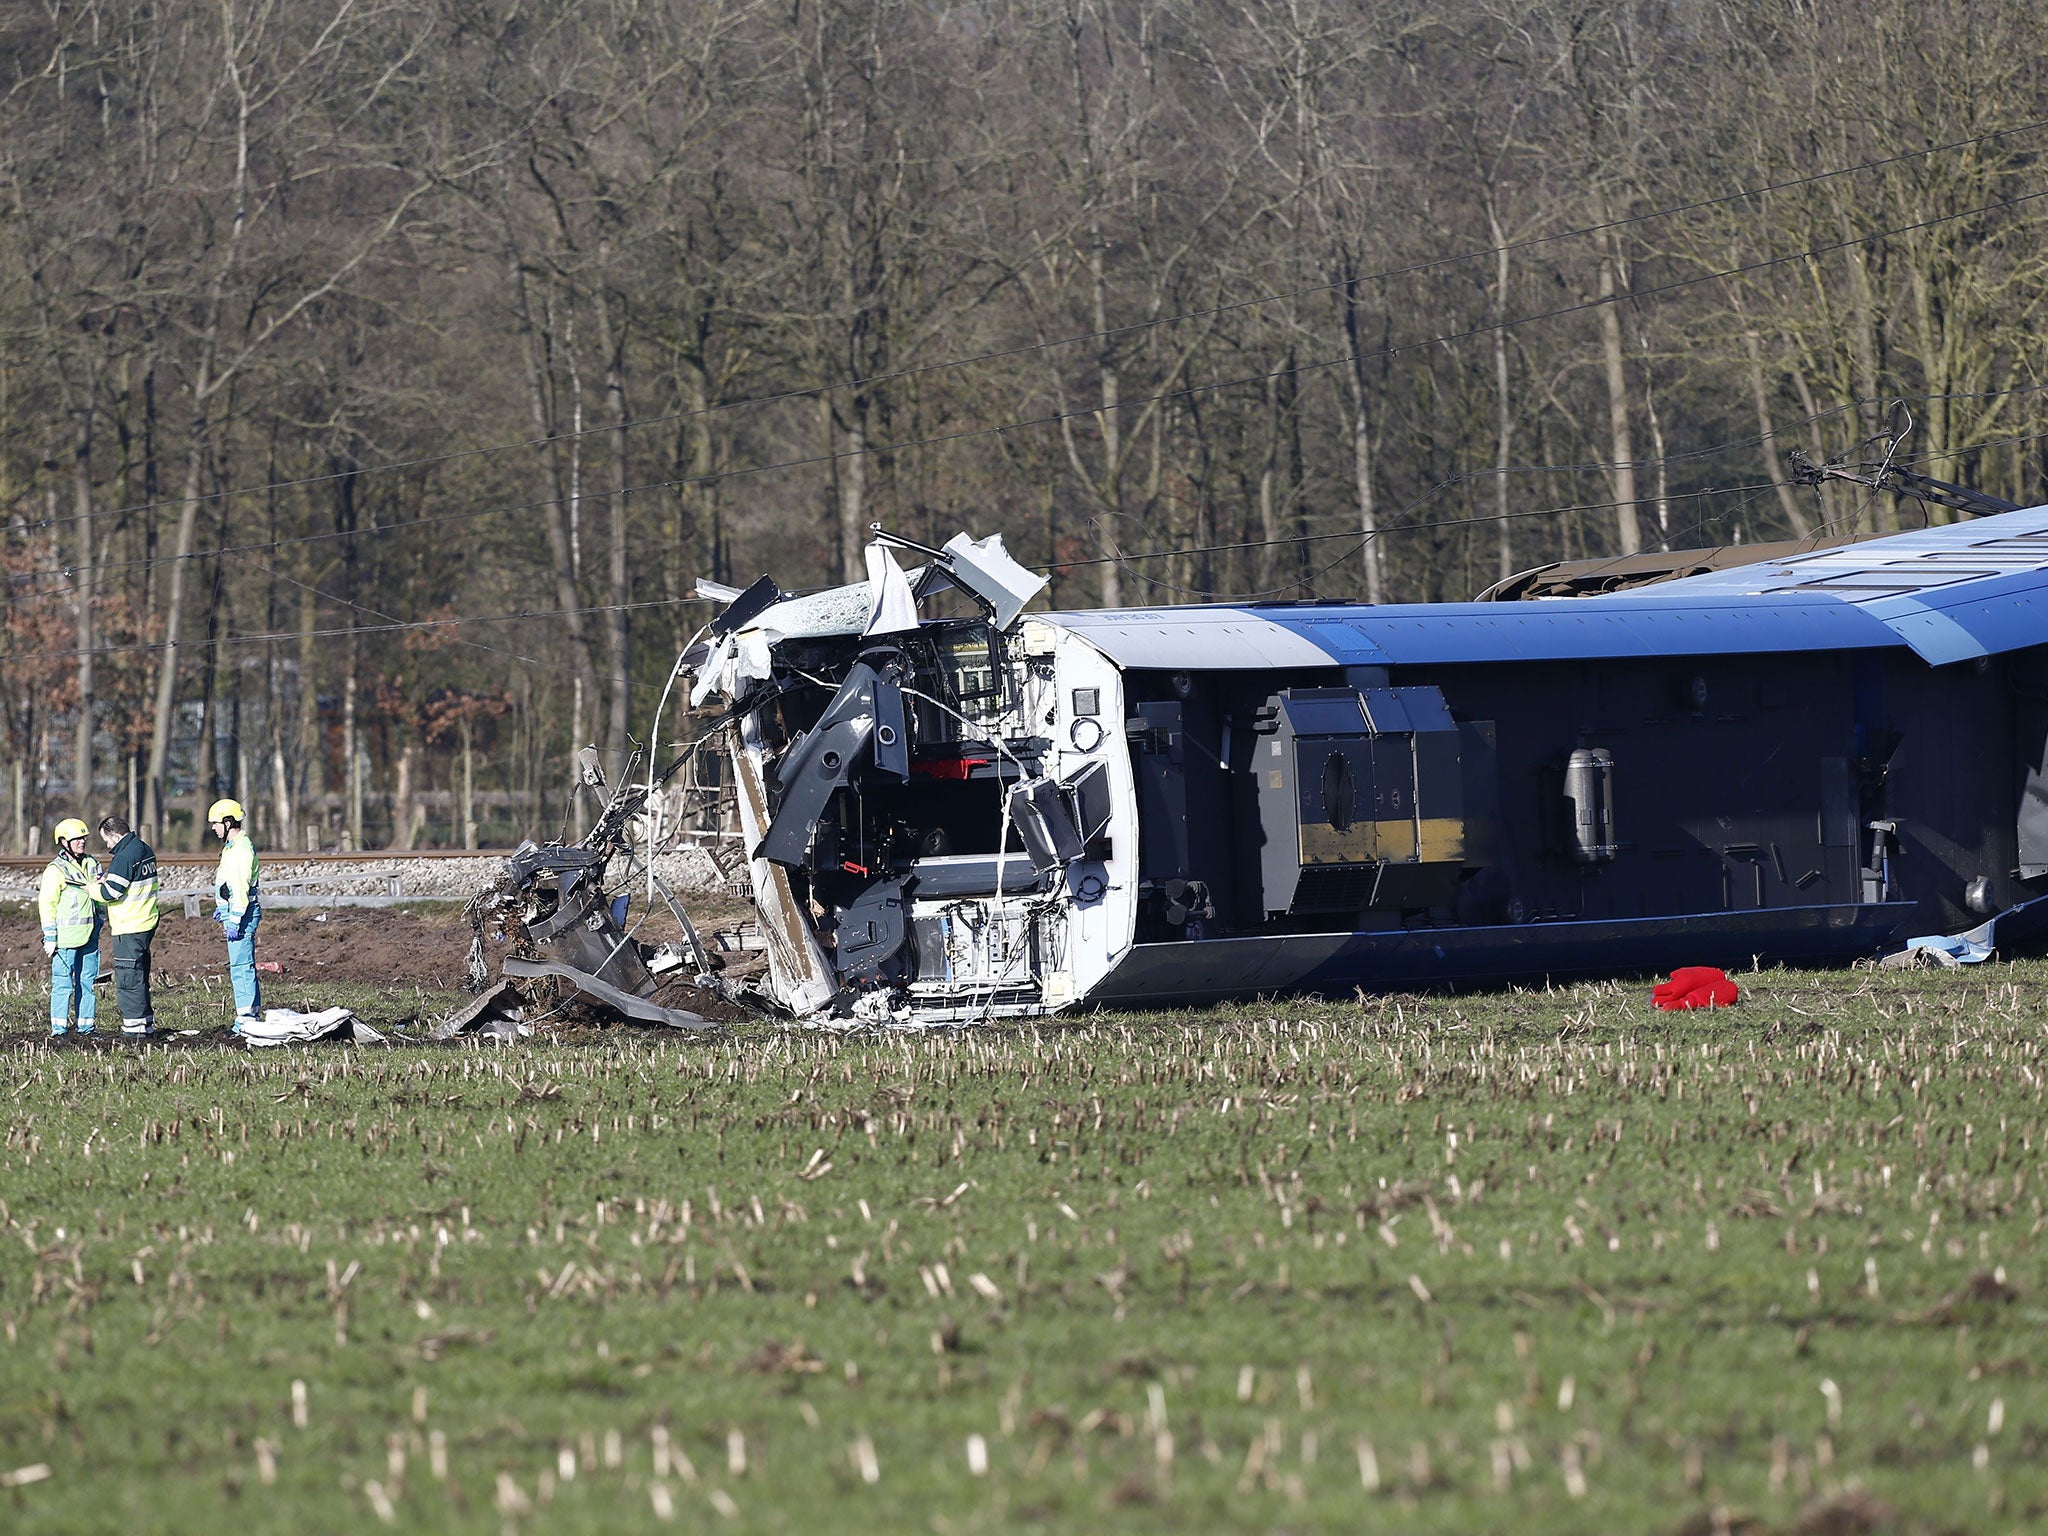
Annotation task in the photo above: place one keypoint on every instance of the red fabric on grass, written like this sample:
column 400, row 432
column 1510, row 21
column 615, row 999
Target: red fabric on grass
column 1695, row 986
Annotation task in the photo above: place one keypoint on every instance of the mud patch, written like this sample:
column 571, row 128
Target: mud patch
column 426, row 947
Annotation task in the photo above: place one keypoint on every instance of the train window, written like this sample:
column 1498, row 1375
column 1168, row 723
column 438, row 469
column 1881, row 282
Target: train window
column 966, row 660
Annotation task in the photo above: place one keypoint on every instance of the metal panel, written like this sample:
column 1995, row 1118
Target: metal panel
column 1952, row 593
column 1196, row 638
column 1334, row 963
column 1970, row 589
column 1588, row 628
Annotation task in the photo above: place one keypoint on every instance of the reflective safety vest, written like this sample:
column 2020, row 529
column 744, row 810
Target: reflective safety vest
column 128, row 889
column 64, row 901
column 234, row 888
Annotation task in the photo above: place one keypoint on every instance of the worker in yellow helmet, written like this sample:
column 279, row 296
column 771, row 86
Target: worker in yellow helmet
column 71, row 929
column 236, row 907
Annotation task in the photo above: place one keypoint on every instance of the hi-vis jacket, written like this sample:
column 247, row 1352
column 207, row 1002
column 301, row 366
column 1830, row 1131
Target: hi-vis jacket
column 234, row 890
column 64, row 900
column 128, row 888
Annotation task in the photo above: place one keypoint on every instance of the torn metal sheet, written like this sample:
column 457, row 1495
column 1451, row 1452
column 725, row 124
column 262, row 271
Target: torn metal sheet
column 985, row 568
column 603, row 991
column 892, row 609
column 498, row 1014
column 800, row 979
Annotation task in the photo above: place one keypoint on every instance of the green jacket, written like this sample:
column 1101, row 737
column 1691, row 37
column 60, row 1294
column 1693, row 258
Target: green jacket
column 128, row 889
column 234, row 890
column 64, row 900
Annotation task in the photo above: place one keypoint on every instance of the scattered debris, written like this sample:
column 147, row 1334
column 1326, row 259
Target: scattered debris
column 564, row 925
column 499, row 1013
column 1937, row 951
column 283, row 1026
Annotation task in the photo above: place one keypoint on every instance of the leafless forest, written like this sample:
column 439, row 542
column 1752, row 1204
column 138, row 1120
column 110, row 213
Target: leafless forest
column 377, row 377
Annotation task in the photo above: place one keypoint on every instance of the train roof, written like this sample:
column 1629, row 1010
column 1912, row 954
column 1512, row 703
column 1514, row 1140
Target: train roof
column 1949, row 594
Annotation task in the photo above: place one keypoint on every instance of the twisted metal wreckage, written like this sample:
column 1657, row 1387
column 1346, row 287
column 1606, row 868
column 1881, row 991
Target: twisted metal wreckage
column 1803, row 753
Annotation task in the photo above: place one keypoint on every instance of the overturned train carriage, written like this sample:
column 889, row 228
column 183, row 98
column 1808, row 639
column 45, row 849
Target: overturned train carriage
column 999, row 813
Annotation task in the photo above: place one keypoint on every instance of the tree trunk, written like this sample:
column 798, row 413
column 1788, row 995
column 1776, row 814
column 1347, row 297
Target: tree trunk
column 161, row 718
column 1107, row 484
column 203, row 772
column 1361, row 442
column 401, row 801
column 1110, row 420
column 1297, row 473
column 1774, row 462
column 468, row 783
column 206, row 775
column 81, row 485
column 351, row 748
column 287, row 828
column 1269, row 500
column 1621, row 440
column 619, row 585
column 559, row 548
column 1863, row 352
column 1504, row 413
column 312, row 741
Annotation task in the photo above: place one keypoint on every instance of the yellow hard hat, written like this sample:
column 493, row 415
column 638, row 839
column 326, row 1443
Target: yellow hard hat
column 69, row 828
column 226, row 810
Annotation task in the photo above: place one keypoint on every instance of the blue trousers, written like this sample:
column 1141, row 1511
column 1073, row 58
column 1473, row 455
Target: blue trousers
column 242, row 970
column 72, row 973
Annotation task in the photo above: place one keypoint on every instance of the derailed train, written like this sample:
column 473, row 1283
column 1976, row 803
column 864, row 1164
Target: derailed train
column 1003, row 813
column 1008, row 813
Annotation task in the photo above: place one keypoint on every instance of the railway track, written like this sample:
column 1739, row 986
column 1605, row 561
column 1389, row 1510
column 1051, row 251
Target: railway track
column 373, row 877
column 283, row 856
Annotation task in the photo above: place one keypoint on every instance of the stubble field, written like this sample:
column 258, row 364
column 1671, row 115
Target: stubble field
column 1535, row 1261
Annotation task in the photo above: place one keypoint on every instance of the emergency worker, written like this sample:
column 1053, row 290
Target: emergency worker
column 71, row 929
column 236, row 906
column 128, row 891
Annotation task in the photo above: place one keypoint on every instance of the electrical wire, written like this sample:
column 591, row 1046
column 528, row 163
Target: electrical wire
column 357, row 607
column 1292, row 540
column 812, row 392
column 271, row 636
column 1057, row 417
column 1393, row 526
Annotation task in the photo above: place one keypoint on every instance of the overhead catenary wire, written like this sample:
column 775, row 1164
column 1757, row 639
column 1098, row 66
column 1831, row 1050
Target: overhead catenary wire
column 817, row 391
column 522, row 615
column 1484, row 471
column 966, row 434
column 1393, row 526
column 1361, row 540
column 1286, row 541
column 1292, row 540
column 478, row 645
column 269, row 637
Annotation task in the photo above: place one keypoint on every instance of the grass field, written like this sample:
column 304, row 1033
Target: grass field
column 1523, row 1262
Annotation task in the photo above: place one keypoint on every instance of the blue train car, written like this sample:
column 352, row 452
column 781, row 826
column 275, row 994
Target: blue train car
column 998, row 812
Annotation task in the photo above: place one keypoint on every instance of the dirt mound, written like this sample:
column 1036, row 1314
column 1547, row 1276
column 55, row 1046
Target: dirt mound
column 426, row 948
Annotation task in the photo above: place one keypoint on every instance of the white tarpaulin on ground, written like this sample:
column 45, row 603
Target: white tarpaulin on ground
column 281, row 1026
